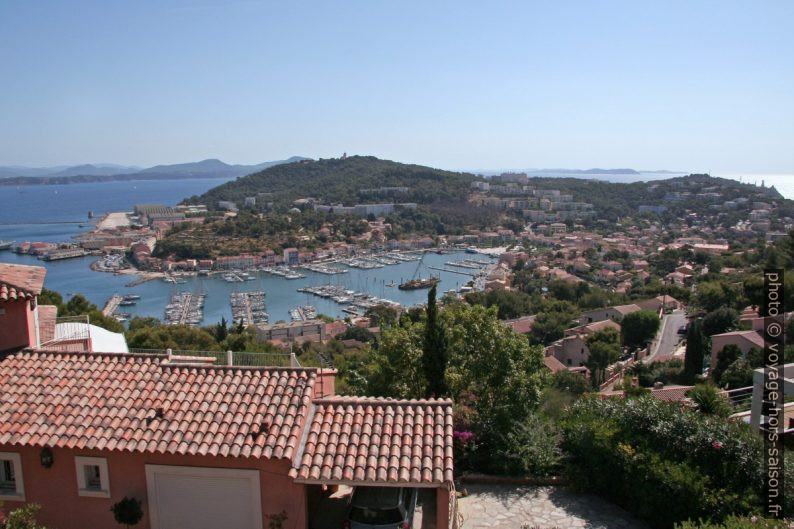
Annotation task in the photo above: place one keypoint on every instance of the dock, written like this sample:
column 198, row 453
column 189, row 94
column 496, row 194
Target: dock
column 111, row 305
column 248, row 307
column 185, row 308
column 68, row 253
column 470, row 274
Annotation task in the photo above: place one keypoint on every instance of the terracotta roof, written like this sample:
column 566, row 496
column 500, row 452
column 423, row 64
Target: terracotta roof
column 20, row 281
column 751, row 336
column 593, row 327
column 672, row 393
column 375, row 440
column 553, row 365
column 111, row 402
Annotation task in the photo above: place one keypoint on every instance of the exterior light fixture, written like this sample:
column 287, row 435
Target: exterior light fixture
column 46, row 456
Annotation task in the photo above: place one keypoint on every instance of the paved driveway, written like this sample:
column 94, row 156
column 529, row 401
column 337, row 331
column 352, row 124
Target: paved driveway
column 517, row 507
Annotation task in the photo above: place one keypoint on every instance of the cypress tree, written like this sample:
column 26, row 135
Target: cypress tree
column 695, row 350
column 434, row 352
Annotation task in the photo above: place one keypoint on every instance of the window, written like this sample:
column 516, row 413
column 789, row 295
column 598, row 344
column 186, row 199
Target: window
column 92, row 477
column 11, row 487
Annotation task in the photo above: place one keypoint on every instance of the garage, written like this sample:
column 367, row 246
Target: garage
column 203, row 498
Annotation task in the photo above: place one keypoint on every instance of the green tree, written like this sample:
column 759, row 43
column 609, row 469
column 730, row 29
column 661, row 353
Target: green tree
column 696, row 344
column 182, row 337
column 142, row 322
column 551, row 322
column 570, row 382
column 604, row 347
column 434, row 351
column 381, row 315
column 737, row 375
column 221, row 330
column 397, row 363
column 711, row 295
column 638, row 328
column 720, row 320
column 727, row 356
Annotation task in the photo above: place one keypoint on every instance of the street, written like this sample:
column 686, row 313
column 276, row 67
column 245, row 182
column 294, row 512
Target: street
column 670, row 338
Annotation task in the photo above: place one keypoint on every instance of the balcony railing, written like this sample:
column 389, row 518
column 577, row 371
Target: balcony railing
column 230, row 358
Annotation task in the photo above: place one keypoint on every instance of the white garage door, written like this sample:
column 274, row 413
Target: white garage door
column 203, row 498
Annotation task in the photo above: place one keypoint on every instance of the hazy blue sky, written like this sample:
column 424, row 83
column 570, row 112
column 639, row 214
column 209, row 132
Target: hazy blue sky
column 689, row 85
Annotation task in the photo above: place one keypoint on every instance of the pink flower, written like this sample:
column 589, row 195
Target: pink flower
column 463, row 436
column 717, row 445
column 754, row 519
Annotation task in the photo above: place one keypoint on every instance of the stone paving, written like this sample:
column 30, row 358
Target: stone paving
column 520, row 507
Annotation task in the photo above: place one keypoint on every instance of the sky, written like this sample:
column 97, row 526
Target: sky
column 680, row 85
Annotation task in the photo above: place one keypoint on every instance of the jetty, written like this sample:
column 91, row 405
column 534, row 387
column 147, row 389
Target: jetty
column 112, row 304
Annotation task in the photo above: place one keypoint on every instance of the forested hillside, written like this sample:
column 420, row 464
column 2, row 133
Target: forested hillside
column 344, row 180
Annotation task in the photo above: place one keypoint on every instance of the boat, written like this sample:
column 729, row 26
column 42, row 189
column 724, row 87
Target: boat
column 415, row 284
column 131, row 297
column 6, row 245
column 127, row 302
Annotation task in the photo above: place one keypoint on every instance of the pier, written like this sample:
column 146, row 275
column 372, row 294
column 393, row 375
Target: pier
column 112, row 304
column 248, row 307
column 185, row 308
column 470, row 274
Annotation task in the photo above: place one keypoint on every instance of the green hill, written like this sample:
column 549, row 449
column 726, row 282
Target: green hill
column 346, row 181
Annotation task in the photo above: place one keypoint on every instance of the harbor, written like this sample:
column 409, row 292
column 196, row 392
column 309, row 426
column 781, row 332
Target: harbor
column 74, row 275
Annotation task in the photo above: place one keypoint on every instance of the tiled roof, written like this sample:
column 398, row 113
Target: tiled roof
column 111, row 402
column 374, row 440
column 20, row 281
column 553, row 365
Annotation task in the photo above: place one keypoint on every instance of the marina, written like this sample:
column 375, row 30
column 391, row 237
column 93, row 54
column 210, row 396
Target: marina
column 248, row 308
column 185, row 308
column 303, row 313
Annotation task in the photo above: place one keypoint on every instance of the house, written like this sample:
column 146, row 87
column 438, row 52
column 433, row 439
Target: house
column 571, row 350
column 744, row 340
column 615, row 313
column 656, row 304
column 522, row 325
column 203, row 445
column 19, row 312
column 25, row 323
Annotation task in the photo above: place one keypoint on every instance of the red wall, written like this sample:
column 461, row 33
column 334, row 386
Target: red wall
column 55, row 488
column 17, row 327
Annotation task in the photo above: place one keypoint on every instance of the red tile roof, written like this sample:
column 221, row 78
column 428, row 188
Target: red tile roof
column 374, row 440
column 110, row 402
column 553, row 365
column 20, row 281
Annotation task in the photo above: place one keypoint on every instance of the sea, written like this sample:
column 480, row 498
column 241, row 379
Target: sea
column 56, row 213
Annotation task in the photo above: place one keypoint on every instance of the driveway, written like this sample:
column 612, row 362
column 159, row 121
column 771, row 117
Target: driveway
column 519, row 507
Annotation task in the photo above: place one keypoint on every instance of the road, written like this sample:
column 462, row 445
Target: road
column 669, row 335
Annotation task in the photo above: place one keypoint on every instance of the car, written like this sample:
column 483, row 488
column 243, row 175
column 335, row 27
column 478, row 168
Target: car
column 682, row 329
column 381, row 508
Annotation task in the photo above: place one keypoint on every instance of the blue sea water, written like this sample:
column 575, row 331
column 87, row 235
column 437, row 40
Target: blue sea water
column 54, row 213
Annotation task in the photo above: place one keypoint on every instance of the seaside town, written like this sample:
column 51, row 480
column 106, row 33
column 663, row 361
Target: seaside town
column 396, row 265
column 660, row 301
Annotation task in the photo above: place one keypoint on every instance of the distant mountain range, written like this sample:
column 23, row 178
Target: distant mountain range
column 568, row 172
column 210, row 168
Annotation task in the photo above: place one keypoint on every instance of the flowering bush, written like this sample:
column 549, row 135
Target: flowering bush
column 665, row 463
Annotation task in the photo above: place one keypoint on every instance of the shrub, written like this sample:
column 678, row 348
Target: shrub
column 708, row 400
column 664, row 463
column 127, row 511
column 735, row 522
